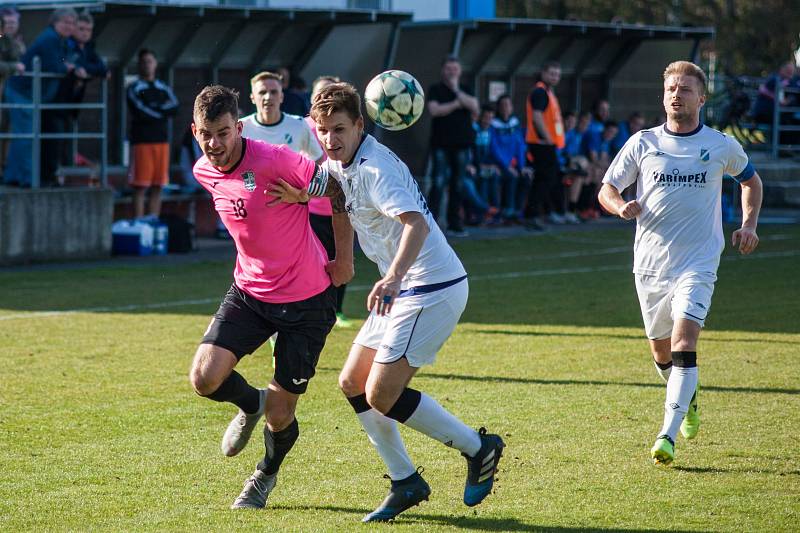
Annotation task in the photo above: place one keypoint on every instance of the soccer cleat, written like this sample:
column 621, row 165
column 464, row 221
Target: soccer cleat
column 343, row 322
column 663, row 451
column 403, row 494
column 482, row 467
column 691, row 422
column 256, row 490
column 241, row 427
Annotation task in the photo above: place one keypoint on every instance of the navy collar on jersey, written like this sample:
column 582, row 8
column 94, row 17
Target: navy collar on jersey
column 239, row 162
column 355, row 154
column 255, row 116
column 676, row 134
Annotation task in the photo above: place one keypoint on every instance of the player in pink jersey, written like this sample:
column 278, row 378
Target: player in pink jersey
column 320, row 211
column 283, row 282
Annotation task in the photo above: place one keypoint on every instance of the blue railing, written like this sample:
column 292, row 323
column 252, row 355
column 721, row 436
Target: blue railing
column 37, row 136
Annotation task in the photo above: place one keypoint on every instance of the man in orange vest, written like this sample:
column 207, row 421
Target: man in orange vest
column 544, row 136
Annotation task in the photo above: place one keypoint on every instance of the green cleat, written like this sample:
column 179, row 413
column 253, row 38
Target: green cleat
column 663, row 451
column 691, row 422
column 343, row 322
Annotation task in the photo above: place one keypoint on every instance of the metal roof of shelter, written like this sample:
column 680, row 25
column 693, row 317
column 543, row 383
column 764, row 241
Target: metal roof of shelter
column 209, row 36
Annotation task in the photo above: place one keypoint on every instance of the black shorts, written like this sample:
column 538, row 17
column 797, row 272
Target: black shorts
column 243, row 323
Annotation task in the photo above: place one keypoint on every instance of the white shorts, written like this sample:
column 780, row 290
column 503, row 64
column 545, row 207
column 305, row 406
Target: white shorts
column 417, row 327
column 664, row 300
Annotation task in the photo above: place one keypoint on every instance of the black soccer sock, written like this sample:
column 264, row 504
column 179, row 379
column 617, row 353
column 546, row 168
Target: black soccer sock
column 278, row 445
column 684, row 359
column 236, row 390
column 359, row 403
column 405, row 405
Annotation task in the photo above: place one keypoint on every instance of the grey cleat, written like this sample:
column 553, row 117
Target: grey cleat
column 241, row 427
column 256, row 490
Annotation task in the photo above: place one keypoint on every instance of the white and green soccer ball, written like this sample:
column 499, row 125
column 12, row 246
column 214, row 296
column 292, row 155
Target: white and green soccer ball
column 394, row 100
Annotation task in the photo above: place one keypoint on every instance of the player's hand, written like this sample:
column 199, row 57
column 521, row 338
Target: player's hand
column 746, row 238
column 383, row 295
column 629, row 210
column 283, row 192
column 341, row 272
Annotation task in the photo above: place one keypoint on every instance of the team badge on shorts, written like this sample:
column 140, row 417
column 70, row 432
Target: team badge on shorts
column 249, row 178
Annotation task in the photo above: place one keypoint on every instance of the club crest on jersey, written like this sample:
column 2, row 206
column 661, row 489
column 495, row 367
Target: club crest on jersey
column 249, row 178
column 704, row 155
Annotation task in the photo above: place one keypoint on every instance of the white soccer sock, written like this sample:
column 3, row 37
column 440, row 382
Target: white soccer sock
column 680, row 389
column 436, row 422
column 663, row 372
column 383, row 434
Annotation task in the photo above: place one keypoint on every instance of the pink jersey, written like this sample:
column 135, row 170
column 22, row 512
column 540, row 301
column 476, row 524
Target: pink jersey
column 317, row 205
column 279, row 259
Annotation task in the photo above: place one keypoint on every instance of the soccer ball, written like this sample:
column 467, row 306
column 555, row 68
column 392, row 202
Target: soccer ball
column 394, row 100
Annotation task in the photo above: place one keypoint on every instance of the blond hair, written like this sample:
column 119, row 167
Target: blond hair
column 686, row 68
column 334, row 98
column 266, row 75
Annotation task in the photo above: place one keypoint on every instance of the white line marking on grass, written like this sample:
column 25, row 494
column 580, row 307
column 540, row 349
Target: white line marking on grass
column 360, row 288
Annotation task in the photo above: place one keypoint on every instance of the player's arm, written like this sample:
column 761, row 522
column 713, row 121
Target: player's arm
column 746, row 236
column 384, row 292
column 613, row 202
column 341, row 269
column 438, row 109
column 321, row 184
column 541, row 130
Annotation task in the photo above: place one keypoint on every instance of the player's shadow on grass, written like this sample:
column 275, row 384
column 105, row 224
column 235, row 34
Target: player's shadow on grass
column 474, row 523
column 618, row 336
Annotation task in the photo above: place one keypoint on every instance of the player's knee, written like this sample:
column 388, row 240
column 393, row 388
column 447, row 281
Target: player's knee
column 202, row 383
column 349, row 386
column 279, row 417
column 378, row 401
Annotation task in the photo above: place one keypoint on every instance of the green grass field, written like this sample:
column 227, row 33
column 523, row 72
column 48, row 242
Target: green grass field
column 100, row 430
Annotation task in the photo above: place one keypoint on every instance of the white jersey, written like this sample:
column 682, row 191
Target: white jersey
column 679, row 184
column 378, row 188
column 291, row 130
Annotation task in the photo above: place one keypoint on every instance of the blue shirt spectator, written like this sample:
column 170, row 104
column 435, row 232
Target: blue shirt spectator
column 627, row 128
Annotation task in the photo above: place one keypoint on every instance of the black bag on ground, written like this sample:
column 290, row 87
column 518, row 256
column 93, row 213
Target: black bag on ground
column 181, row 234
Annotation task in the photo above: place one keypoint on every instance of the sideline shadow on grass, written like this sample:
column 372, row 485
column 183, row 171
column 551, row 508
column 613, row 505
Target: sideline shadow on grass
column 734, row 470
column 616, row 336
column 474, row 523
column 532, row 381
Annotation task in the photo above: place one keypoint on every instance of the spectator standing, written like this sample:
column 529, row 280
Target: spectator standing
column 150, row 103
column 453, row 109
column 764, row 106
column 72, row 88
column 11, row 49
column 544, row 136
column 508, row 153
column 52, row 49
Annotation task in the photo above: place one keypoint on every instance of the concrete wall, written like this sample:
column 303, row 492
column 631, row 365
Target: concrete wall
column 55, row 224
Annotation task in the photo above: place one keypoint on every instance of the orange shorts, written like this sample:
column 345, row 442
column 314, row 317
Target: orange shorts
column 149, row 165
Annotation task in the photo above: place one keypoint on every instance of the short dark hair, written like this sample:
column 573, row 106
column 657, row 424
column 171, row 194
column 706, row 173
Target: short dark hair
column 547, row 65
column 488, row 108
column 610, row 124
column 450, row 58
column 9, row 12
column 62, row 13
column 334, row 98
column 86, row 17
column 214, row 101
column 143, row 52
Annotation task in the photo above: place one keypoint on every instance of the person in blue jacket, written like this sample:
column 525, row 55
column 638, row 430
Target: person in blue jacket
column 508, row 152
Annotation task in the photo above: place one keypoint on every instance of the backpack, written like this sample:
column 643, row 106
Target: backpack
column 181, row 237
